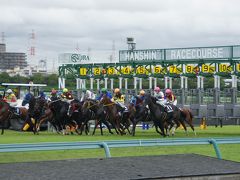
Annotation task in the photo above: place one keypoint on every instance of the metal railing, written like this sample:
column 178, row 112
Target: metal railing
column 118, row 144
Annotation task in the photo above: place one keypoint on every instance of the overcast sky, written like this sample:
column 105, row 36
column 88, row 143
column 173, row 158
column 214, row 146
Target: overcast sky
column 60, row 25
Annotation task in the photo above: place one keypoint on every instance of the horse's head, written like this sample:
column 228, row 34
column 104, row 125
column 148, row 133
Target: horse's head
column 75, row 105
column 105, row 100
column 147, row 99
column 4, row 107
column 89, row 104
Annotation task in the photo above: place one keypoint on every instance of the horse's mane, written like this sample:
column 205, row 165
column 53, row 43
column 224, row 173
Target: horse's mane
column 153, row 99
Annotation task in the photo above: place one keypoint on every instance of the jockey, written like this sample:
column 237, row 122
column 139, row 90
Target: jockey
column 26, row 99
column 158, row 94
column 119, row 99
column 66, row 95
column 11, row 98
column 42, row 95
column 170, row 98
column 54, row 95
column 104, row 91
column 87, row 94
column 141, row 96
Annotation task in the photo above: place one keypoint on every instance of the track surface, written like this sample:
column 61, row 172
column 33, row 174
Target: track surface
column 165, row 166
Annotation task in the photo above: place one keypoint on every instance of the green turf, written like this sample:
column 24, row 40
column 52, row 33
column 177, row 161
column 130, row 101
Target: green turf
column 229, row 151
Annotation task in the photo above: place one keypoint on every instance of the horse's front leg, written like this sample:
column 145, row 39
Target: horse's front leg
column 169, row 127
column 134, row 124
column 156, row 127
column 40, row 122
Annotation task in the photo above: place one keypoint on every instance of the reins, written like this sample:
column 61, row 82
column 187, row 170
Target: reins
column 89, row 106
column 109, row 104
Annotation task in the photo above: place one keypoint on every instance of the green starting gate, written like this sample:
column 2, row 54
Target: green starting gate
column 218, row 61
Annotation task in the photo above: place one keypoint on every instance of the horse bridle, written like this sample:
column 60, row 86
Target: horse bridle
column 110, row 104
column 89, row 105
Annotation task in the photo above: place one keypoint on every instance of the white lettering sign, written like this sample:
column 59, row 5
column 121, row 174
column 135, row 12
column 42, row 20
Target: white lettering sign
column 197, row 53
column 140, row 55
column 219, row 52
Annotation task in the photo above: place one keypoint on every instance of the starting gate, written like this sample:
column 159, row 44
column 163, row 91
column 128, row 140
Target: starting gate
column 152, row 66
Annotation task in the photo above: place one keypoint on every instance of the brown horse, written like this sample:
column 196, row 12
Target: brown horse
column 48, row 115
column 112, row 114
column 90, row 111
column 187, row 116
column 7, row 112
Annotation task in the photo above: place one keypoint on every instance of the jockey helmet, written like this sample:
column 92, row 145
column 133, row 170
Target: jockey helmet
column 9, row 91
column 142, row 92
column 103, row 90
column 168, row 91
column 157, row 89
column 65, row 90
column 117, row 90
column 54, row 91
column 28, row 96
column 41, row 94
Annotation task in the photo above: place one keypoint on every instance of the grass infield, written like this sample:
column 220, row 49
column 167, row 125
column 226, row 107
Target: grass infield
column 228, row 151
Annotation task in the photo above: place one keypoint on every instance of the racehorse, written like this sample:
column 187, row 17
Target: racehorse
column 113, row 115
column 176, row 116
column 157, row 115
column 187, row 116
column 140, row 114
column 76, row 116
column 7, row 112
column 60, row 110
column 126, row 116
column 36, row 110
column 91, row 111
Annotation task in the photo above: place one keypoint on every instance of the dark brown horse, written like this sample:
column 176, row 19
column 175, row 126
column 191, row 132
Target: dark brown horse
column 68, row 120
column 112, row 114
column 90, row 111
column 47, row 116
column 36, row 109
column 175, row 118
column 7, row 112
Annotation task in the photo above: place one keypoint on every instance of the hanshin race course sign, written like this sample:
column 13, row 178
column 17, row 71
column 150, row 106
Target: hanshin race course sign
column 217, row 52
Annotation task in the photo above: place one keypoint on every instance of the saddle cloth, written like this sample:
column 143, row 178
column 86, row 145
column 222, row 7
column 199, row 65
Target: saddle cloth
column 168, row 108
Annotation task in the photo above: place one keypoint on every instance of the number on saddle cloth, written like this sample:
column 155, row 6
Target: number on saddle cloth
column 15, row 110
column 169, row 108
